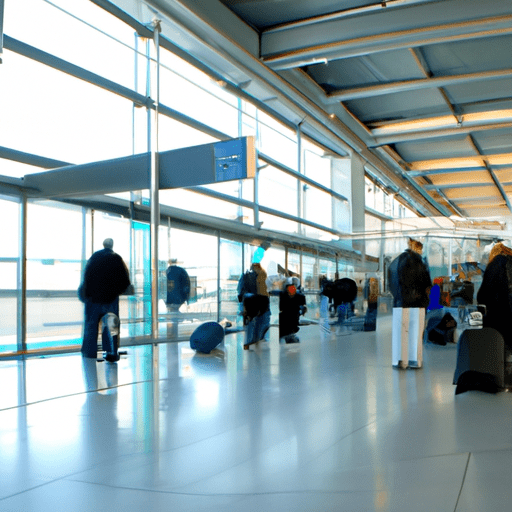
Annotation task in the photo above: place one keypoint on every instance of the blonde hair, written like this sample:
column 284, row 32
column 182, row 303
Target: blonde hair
column 498, row 249
column 415, row 245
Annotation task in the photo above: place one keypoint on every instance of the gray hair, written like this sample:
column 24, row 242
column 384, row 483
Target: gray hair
column 108, row 243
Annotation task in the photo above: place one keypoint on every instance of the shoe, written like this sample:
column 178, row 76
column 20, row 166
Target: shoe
column 111, row 358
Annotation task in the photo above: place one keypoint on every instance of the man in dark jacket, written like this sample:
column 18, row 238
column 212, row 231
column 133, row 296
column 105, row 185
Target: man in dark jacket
column 409, row 278
column 105, row 278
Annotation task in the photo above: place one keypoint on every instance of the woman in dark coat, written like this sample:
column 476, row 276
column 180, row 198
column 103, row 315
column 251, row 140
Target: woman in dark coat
column 496, row 292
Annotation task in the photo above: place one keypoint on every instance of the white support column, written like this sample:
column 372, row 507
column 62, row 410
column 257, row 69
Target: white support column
column 300, row 191
column 357, row 196
column 341, row 183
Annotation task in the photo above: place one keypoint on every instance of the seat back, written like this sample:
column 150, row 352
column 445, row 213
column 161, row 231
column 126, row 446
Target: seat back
column 481, row 350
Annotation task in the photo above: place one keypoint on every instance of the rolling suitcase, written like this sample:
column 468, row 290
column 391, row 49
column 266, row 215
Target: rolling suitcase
column 207, row 337
column 110, row 337
column 480, row 361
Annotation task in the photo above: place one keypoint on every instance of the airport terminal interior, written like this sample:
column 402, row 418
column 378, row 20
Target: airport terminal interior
column 316, row 138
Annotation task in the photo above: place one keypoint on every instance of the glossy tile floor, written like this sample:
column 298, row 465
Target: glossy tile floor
column 324, row 425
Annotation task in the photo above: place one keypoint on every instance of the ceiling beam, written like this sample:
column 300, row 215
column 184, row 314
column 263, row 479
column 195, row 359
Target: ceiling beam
column 453, row 206
column 490, row 201
column 495, row 160
column 442, row 186
column 414, row 85
column 436, row 133
column 451, row 170
column 445, row 198
column 348, row 13
column 491, row 172
column 291, row 49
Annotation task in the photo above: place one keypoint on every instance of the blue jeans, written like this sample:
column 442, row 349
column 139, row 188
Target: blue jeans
column 93, row 315
column 257, row 327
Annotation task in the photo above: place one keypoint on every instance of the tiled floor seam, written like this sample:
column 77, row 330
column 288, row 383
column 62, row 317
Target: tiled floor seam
column 195, row 494
column 462, row 484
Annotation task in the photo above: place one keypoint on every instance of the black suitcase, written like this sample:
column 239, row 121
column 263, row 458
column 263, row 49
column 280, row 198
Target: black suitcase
column 480, row 361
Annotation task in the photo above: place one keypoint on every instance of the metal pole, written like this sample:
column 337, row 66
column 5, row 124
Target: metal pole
column 22, row 277
column 240, row 215
column 256, row 183
column 154, row 182
column 299, row 170
column 256, row 198
column 92, row 231
column 219, row 302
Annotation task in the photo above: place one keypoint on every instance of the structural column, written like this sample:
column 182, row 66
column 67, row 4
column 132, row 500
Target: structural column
column 357, row 200
column 22, row 277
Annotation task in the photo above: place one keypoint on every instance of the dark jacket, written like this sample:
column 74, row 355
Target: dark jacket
column 105, row 277
column 289, row 312
column 178, row 285
column 495, row 293
column 409, row 281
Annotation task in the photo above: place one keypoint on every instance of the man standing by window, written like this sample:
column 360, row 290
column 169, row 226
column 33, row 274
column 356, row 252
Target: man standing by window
column 105, row 278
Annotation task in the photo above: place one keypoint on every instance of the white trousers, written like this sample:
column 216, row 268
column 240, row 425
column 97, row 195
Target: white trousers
column 407, row 337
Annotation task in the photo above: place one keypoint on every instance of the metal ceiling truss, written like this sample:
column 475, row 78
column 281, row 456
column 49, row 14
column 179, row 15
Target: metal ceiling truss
column 371, row 91
column 284, row 53
column 433, row 133
column 491, row 173
column 348, row 13
column 452, row 170
column 443, row 186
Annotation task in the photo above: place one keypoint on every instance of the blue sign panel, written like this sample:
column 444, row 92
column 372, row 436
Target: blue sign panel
column 230, row 160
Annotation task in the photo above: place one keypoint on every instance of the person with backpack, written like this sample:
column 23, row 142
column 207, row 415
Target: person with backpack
column 292, row 304
column 254, row 298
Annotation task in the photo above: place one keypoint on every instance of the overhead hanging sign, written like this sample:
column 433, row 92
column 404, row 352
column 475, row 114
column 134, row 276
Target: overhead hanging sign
column 228, row 160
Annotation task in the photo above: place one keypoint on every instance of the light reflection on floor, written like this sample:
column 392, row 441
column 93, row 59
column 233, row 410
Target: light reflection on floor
column 326, row 424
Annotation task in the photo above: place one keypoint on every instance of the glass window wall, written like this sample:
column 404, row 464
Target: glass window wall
column 54, row 260
column 94, row 49
column 197, row 254
column 8, row 274
column 277, row 141
column 278, row 190
column 190, row 99
column 54, row 115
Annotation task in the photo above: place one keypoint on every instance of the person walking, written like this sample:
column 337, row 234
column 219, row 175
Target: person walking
column 105, row 278
column 254, row 297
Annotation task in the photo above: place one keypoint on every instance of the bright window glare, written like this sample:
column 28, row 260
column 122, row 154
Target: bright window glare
column 90, row 124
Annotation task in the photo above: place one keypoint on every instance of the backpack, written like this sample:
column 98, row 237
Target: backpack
column 443, row 331
column 247, row 284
